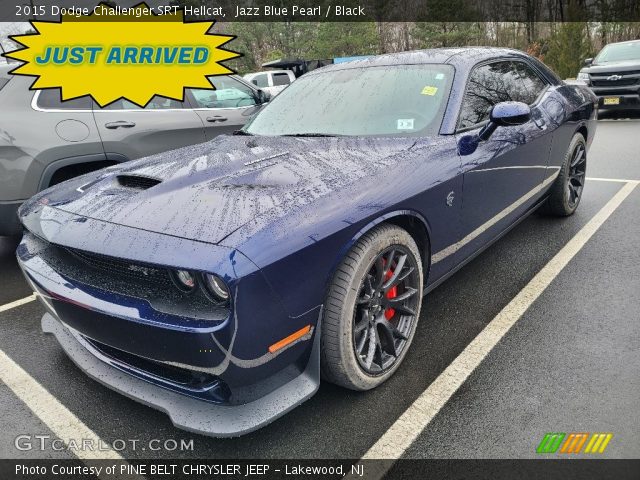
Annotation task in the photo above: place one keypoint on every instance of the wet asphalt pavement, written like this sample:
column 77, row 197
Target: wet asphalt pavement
column 570, row 364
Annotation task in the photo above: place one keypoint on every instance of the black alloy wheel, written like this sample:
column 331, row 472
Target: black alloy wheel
column 566, row 191
column 577, row 175
column 385, row 310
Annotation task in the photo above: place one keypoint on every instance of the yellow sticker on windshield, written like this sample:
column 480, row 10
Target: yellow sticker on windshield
column 428, row 90
column 109, row 56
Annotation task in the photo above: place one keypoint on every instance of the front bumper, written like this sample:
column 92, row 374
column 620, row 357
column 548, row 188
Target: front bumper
column 626, row 100
column 220, row 366
column 185, row 412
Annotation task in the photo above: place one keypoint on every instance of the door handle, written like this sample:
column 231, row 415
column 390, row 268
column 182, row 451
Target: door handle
column 216, row 118
column 119, row 123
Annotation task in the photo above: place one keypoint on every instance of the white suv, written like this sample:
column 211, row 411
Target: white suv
column 273, row 81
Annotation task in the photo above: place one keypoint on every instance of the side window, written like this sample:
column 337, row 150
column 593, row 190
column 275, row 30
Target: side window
column 228, row 93
column 532, row 84
column 487, row 85
column 156, row 103
column 261, row 80
column 281, row 79
column 49, row 99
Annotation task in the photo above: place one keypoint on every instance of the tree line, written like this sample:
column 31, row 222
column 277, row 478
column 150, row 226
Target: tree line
column 561, row 45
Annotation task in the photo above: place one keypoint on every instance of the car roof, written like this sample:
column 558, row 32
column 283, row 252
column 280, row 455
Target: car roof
column 622, row 43
column 462, row 56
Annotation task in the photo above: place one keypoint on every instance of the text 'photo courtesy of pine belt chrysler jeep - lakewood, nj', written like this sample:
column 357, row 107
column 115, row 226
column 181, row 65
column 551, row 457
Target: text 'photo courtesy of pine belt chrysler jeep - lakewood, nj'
column 220, row 282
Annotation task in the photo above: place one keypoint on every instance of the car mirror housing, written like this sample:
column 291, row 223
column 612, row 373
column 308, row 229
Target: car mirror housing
column 263, row 97
column 587, row 62
column 505, row 114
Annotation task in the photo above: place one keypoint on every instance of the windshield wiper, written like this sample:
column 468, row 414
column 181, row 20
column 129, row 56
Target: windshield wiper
column 312, row 135
column 242, row 132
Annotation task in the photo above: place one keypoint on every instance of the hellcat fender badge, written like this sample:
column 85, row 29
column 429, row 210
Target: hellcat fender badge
column 450, row 198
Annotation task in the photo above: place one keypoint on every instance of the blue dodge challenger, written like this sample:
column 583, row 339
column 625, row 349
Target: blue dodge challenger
column 220, row 282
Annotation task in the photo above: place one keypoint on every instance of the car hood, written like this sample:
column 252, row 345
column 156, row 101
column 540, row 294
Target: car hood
column 205, row 192
column 601, row 68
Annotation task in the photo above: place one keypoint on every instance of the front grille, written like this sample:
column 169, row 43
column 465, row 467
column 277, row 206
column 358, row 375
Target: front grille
column 624, row 82
column 629, row 78
column 136, row 280
column 137, row 182
column 121, row 268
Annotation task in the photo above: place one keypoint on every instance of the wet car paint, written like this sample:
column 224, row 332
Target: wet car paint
column 274, row 216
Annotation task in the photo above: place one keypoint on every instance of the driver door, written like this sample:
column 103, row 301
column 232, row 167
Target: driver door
column 504, row 176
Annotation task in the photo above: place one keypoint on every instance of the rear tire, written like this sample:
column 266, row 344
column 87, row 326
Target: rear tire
column 370, row 313
column 566, row 191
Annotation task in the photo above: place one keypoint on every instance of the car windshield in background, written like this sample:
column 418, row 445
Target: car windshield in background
column 619, row 52
column 394, row 100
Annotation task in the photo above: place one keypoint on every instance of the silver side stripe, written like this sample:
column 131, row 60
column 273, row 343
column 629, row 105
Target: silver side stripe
column 513, row 167
column 451, row 249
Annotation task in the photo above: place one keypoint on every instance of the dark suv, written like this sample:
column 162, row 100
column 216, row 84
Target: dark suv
column 614, row 76
column 44, row 141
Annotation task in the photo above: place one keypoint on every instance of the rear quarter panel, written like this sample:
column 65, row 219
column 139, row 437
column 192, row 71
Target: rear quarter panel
column 574, row 108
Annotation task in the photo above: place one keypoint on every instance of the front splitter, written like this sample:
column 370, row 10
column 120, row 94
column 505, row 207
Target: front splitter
column 189, row 413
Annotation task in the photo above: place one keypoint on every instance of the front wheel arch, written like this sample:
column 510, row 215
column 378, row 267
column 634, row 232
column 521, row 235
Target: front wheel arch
column 413, row 222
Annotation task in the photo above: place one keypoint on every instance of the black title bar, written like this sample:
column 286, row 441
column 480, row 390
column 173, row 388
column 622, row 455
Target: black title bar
column 335, row 11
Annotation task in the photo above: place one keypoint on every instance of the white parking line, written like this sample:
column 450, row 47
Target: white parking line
column 618, row 180
column 64, row 424
column 17, row 303
column 415, row 419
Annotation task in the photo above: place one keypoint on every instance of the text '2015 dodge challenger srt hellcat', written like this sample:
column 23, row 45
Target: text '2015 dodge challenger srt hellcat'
column 220, row 282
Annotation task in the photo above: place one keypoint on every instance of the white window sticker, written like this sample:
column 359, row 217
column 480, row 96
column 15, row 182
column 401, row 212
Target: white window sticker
column 439, row 76
column 405, row 124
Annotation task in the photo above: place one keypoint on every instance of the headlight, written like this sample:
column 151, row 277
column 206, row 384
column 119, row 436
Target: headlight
column 184, row 280
column 584, row 77
column 216, row 287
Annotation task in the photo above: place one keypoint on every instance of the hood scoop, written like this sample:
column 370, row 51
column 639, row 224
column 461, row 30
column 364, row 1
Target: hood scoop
column 137, row 182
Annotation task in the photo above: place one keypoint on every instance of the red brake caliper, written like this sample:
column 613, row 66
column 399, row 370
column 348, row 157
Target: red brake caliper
column 392, row 293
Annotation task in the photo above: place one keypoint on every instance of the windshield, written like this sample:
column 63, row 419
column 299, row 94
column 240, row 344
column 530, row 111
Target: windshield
column 394, row 100
column 619, row 52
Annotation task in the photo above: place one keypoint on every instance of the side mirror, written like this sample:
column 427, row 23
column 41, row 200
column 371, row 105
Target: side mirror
column 505, row 114
column 263, row 97
column 587, row 62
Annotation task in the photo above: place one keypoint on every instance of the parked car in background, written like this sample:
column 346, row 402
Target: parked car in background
column 218, row 282
column 44, row 141
column 273, row 81
column 614, row 76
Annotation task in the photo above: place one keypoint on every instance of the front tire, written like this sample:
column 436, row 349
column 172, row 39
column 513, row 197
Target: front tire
column 372, row 309
column 566, row 191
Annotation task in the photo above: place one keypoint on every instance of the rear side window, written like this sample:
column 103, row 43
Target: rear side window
column 281, row 79
column 487, row 85
column 260, row 81
column 156, row 103
column 533, row 85
column 49, row 99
